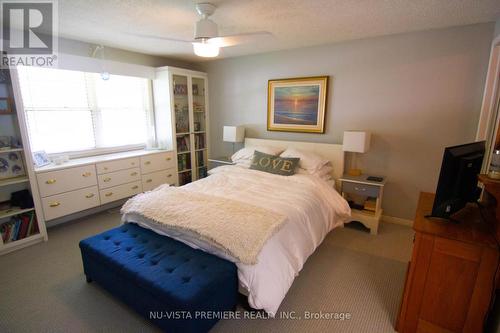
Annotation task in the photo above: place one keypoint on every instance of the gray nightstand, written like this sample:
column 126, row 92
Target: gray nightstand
column 368, row 195
column 218, row 161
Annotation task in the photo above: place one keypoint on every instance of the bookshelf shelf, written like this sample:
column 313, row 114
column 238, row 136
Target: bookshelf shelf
column 183, row 152
column 183, row 171
column 11, row 150
column 20, row 243
column 15, row 180
column 14, row 211
column 181, row 134
column 13, row 216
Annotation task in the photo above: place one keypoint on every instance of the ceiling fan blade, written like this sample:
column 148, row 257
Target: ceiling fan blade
column 231, row 40
column 159, row 37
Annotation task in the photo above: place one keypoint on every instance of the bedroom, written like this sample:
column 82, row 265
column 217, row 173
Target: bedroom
column 126, row 104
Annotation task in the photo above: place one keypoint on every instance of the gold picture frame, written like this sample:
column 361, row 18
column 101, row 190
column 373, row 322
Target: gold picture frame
column 297, row 104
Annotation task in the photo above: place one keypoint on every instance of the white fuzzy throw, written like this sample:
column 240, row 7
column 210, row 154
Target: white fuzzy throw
column 239, row 229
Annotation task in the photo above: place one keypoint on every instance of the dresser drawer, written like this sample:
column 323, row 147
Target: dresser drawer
column 157, row 162
column 70, row 202
column 155, row 179
column 360, row 189
column 118, row 177
column 111, row 166
column 55, row 182
column 120, row 192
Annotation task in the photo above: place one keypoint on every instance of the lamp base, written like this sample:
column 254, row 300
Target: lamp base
column 354, row 172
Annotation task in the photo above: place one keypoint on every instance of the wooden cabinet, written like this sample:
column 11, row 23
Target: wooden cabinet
column 450, row 278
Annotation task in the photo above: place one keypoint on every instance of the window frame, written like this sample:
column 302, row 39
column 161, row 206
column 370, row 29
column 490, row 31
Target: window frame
column 94, row 110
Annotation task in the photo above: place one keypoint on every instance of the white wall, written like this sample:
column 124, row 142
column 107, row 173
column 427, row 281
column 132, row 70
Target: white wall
column 417, row 93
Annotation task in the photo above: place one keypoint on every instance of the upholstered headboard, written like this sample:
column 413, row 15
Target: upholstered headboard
column 331, row 152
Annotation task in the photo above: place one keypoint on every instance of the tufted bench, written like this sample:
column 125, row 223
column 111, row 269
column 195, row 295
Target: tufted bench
column 164, row 280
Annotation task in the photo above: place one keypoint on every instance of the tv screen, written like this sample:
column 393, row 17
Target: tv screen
column 457, row 183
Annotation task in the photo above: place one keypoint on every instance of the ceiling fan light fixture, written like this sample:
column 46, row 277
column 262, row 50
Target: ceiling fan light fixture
column 205, row 50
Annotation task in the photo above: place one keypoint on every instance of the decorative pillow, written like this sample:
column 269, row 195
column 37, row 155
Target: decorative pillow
column 274, row 164
column 244, row 156
column 324, row 173
column 309, row 161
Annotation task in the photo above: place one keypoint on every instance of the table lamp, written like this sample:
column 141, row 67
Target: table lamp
column 233, row 134
column 356, row 142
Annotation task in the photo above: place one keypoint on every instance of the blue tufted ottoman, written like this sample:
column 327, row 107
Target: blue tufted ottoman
column 164, row 280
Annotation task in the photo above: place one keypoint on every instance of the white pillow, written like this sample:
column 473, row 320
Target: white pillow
column 244, row 156
column 324, row 173
column 309, row 161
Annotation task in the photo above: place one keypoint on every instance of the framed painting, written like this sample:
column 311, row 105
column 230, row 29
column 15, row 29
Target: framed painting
column 297, row 104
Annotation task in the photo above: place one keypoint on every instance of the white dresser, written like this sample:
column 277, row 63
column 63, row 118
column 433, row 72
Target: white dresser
column 90, row 182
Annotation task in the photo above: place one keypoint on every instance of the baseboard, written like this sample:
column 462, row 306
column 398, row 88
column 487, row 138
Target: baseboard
column 397, row 220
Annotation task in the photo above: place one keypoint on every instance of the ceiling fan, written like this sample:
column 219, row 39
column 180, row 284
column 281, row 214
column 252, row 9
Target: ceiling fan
column 207, row 41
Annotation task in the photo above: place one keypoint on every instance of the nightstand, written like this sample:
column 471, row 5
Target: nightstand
column 218, row 161
column 365, row 198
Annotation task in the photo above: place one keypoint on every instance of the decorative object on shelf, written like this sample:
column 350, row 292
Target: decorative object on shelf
column 22, row 199
column 5, row 142
column 197, row 126
column 495, row 165
column 60, row 159
column 233, row 134
column 297, row 104
column 180, row 89
column 5, row 105
column 356, row 142
column 40, row 158
column 11, row 165
column 4, row 76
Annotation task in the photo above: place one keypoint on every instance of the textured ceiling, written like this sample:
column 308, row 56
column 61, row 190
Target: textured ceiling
column 294, row 23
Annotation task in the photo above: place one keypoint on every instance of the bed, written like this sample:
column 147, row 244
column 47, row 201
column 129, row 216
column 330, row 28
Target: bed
column 311, row 208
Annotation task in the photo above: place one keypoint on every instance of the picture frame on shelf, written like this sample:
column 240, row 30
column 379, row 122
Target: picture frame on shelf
column 297, row 104
column 5, row 105
column 11, row 165
column 40, row 158
column 5, row 142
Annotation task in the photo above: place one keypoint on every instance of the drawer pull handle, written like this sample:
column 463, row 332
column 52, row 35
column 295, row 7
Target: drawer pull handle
column 149, row 181
column 54, row 204
column 133, row 163
column 135, row 187
column 109, row 194
column 169, row 175
column 133, row 174
column 169, row 158
column 90, row 195
column 360, row 189
column 105, row 168
column 147, row 162
column 86, row 174
column 50, row 181
column 107, row 179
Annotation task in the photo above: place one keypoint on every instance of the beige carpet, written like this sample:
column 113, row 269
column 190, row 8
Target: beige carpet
column 42, row 288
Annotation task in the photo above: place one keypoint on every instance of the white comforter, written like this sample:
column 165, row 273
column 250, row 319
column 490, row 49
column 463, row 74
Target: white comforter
column 311, row 205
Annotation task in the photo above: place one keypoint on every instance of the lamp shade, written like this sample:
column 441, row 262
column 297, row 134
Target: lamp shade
column 234, row 133
column 356, row 141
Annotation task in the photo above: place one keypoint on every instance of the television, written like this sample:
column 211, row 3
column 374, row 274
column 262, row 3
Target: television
column 457, row 183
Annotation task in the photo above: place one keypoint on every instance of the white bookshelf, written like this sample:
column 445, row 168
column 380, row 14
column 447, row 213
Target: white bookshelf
column 13, row 124
column 182, row 122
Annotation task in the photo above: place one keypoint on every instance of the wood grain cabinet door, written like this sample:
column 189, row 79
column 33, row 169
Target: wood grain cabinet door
column 451, row 288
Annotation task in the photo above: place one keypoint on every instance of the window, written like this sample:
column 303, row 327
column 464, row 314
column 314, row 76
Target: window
column 70, row 111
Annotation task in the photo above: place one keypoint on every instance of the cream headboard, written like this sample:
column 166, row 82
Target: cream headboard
column 331, row 152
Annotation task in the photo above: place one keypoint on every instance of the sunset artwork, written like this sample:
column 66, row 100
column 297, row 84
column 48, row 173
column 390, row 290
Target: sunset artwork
column 297, row 105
